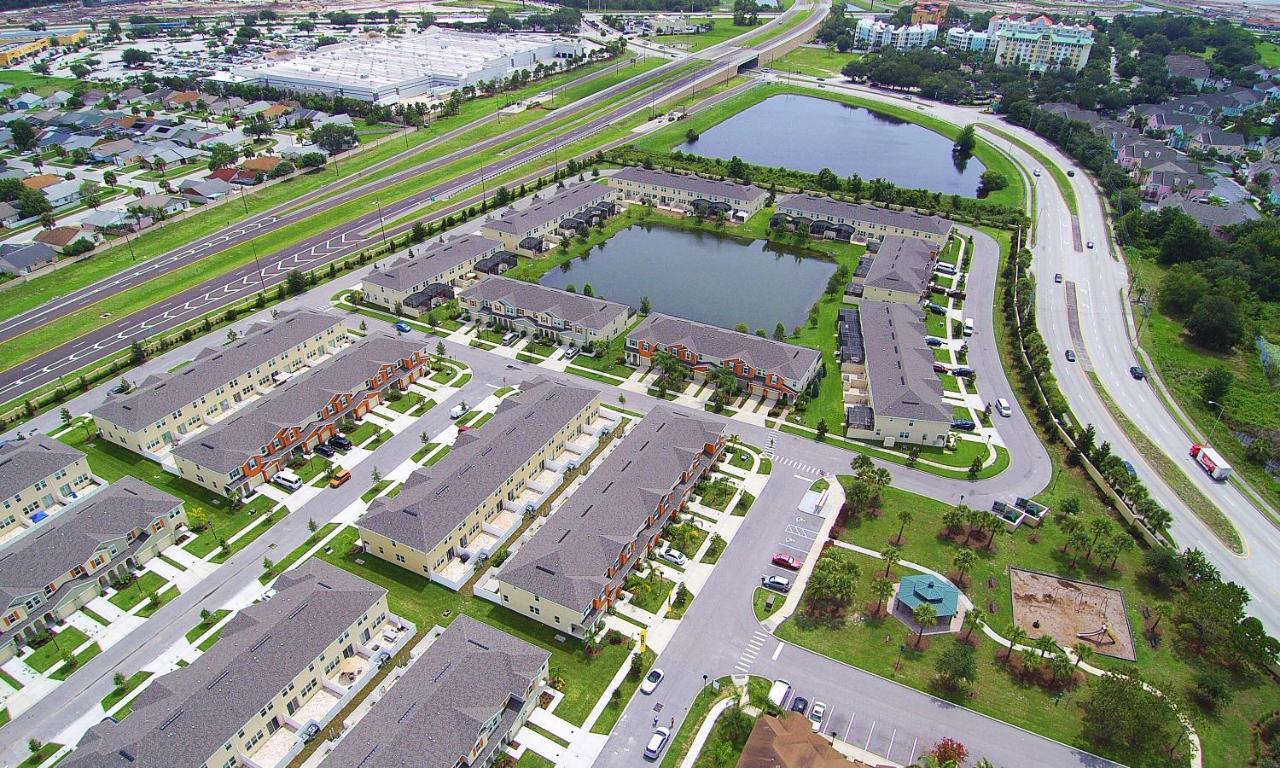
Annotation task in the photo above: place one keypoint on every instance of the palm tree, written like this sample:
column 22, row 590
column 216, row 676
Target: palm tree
column 963, row 562
column 926, row 616
column 973, row 519
column 1016, row 636
column 1061, row 666
column 1162, row 611
column 972, row 618
column 1070, row 525
column 1078, row 541
column 1083, row 652
column 1099, row 527
column 992, row 527
column 904, row 518
column 1122, row 543
column 953, row 519
column 1047, row 646
column 882, row 588
column 892, row 556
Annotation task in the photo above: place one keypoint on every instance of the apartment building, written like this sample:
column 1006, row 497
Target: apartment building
column 278, row 665
column 247, row 449
column 1040, row 43
column 901, row 270
column 50, row 573
column 827, row 217
column 544, row 313
column 967, row 40
column 457, row 706
column 38, row 477
column 873, row 34
column 537, row 227
column 423, row 279
column 764, row 366
column 891, row 392
column 165, row 409
column 450, row 515
column 695, row 194
column 569, row 572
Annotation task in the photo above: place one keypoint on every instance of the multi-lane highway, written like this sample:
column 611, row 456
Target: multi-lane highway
column 350, row 236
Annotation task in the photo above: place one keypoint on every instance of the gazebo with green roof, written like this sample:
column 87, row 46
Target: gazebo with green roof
column 922, row 588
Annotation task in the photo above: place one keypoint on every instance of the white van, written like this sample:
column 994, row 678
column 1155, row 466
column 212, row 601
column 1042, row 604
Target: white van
column 458, row 411
column 287, row 479
column 944, row 268
column 509, row 337
column 779, row 693
column 1002, row 408
column 968, row 326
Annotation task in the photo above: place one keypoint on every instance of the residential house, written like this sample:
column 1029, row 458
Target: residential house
column 165, row 409
column 526, row 230
column 1216, row 140
column 695, row 194
column 863, row 223
column 790, row 741
column 51, row 572
column 249, row 447
column 179, row 100
column 63, row 193
column 263, row 164
column 1168, row 179
column 27, row 100
column 112, row 151
column 763, row 366
column 131, row 95
column 1213, row 217
column 204, row 191
column 38, row 477
column 10, row 216
column 167, row 205
column 1194, row 68
column 278, row 665
column 452, row 515
column 544, row 313
column 60, row 238
column 459, row 704
column 901, row 270
column 423, row 277
column 24, row 259
column 105, row 220
column 1039, row 43
column 40, row 181
column 573, row 568
column 274, row 112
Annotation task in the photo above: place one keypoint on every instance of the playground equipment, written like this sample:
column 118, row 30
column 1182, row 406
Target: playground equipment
column 1099, row 636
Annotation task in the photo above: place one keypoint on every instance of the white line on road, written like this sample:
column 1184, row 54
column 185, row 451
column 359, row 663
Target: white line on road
column 892, row 739
column 867, row 747
column 802, row 477
column 777, row 651
column 849, row 727
column 911, row 758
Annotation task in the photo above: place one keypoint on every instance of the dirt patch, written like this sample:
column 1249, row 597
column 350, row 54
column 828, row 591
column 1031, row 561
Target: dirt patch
column 1072, row 611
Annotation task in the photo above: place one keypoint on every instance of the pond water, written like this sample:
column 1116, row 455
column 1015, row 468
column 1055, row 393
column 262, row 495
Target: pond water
column 804, row 133
column 701, row 276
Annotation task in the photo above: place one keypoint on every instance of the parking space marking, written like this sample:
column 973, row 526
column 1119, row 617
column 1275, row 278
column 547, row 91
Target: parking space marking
column 850, row 726
column 914, row 745
column 792, row 546
column 892, row 738
column 867, row 746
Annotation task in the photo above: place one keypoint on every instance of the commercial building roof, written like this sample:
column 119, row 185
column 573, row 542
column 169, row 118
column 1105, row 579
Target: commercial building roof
column 159, row 396
column 438, row 708
column 68, row 539
column 22, row 462
column 551, row 209
column 424, row 262
column 902, row 264
column 229, row 444
column 540, row 300
column 567, row 560
column 708, row 188
column 810, row 205
column 899, row 365
column 187, row 715
column 436, row 499
column 787, row 360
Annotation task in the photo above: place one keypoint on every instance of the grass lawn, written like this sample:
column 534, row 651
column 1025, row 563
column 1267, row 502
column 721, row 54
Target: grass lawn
column 531, row 759
column 97, row 618
column 698, row 710
column 364, row 431
column 622, row 694
column 650, row 592
column 224, row 525
column 424, row 450
column 407, row 403
column 714, row 550
column 120, row 691
column 717, row 493
column 1268, row 53
column 209, row 641
column 427, row 604
column 67, row 640
column 723, row 30
column 135, row 593
column 82, row 658
column 814, row 61
column 445, row 451
column 37, row 758
column 203, row 626
column 766, row 602
column 373, row 492
column 293, row 556
column 312, row 468
column 40, row 85
column 148, row 610
column 685, row 536
column 741, row 458
column 744, row 504
column 10, row 680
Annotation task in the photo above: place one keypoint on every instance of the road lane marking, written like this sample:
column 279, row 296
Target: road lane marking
column 777, row 651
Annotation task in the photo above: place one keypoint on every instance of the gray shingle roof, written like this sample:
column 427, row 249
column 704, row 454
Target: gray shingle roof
column 538, row 299
column 697, row 185
column 425, row 262
column 22, row 462
column 213, row 368
column 27, row 255
column 899, row 365
column 567, row 560
column 229, row 444
column 551, row 209
column 810, row 205
column 69, row 538
column 787, row 360
column 902, row 264
column 187, row 715
column 436, row 499
column 435, row 713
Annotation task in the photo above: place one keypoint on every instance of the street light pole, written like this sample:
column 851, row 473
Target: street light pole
column 381, row 223
column 262, row 283
column 1214, row 426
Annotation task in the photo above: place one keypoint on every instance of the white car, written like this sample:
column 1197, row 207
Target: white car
column 816, row 715
column 459, row 411
column 651, row 681
column 657, row 742
column 673, row 556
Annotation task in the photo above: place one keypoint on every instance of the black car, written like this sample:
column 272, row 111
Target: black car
column 1137, row 373
column 1071, row 355
column 800, row 704
column 966, row 424
column 325, row 450
column 341, row 443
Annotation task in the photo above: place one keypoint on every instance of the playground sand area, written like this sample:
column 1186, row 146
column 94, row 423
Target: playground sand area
column 1066, row 609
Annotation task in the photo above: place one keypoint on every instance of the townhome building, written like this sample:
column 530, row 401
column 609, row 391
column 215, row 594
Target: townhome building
column 689, row 192
column 891, row 393
column 278, row 666
column 861, row 222
column 544, row 313
column 900, row 270
column 571, row 571
column 458, row 705
column 764, row 366
column 39, row 476
column 165, row 409
column 451, row 515
column 424, row 277
column 537, row 227
column 49, row 573
column 249, row 447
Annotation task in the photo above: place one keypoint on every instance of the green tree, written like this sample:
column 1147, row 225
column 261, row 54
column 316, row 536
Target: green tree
column 1119, row 711
column 957, row 666
column 882, row 588
column 964, row 562
column 966, row 140
column 1180, row 289
column 1215, row 323
column 831, row 585
column 334, row 138
column 1215, row 384
column 22, row 135
column 645, row 306
column 295, row 282
column 926, row 616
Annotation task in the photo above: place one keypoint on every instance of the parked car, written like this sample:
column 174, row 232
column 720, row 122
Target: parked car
column 1089, row 245
column 1071, row 355
column 571, row 353
column 458, row 411
column 339, row 478
column 381, row 659
column 1057, row 277
column 341, row 443
column 1137, row 373
column 657, row 742
column 935, row 308
column 403, row 327
column 673, row 556
column 287, row 480
column 777, row 583
column 963, row 371
column 800, row 704
column 816, row 714
column 325, row 450
column 651, row 681
column 783, row 560
column 965, row 424
column 956, row 293
column 1003, row 408
column 933, row 341
column 941, row 368
column 310, row 732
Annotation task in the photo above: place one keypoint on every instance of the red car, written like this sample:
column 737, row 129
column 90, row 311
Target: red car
column 941, row 368
column 786, row 561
